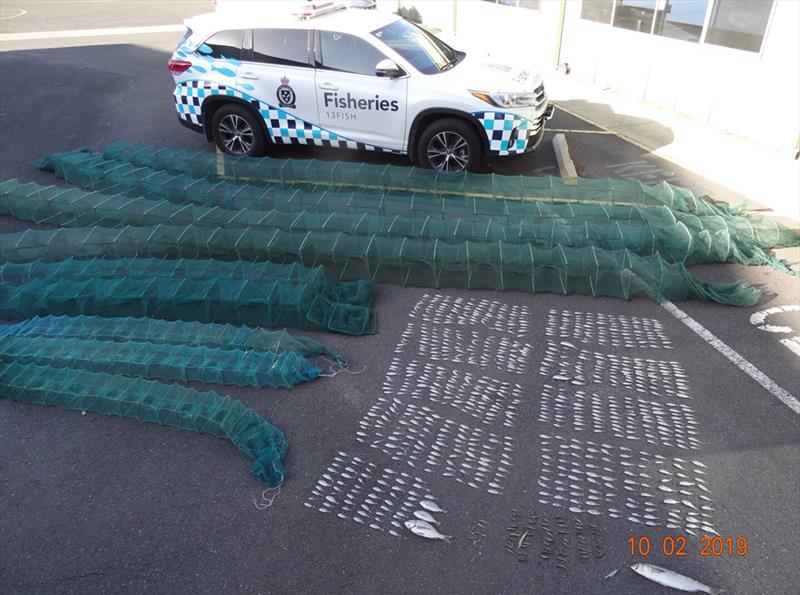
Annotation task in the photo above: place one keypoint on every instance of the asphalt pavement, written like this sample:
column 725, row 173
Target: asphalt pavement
column 95, row 504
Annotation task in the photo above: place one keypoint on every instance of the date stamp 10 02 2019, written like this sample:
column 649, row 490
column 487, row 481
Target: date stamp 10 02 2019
column 679, row 546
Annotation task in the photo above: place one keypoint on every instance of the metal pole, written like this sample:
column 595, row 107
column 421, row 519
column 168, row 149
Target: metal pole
column 562, row 11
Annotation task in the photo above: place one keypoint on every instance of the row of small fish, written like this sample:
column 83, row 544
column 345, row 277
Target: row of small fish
column 607, row 329
column 493, row 314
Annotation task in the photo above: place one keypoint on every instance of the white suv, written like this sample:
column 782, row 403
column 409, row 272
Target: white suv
column 351, row 78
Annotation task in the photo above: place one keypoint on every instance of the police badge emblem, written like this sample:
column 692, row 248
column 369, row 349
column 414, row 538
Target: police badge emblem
column 285, row 93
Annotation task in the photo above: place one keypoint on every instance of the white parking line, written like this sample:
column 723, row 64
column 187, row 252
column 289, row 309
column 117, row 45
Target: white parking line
column 90, row 32
column 744, row 365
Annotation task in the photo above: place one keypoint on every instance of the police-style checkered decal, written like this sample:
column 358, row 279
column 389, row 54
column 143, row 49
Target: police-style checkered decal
column 283, row 127
column 508, row 133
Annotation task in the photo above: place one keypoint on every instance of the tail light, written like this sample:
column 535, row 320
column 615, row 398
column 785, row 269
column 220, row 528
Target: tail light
column 178, row 65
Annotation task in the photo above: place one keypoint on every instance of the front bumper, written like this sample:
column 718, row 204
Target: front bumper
column 509, row 133
column 536, row 135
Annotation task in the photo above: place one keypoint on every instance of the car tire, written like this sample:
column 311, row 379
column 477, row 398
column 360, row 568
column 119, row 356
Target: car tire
column 238, row 132
column 449, row 144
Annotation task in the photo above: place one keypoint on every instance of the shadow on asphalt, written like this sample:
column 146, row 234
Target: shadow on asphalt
column 658, row 134
column 62, row 99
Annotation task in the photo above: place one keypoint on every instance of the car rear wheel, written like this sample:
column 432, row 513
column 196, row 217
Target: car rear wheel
column 449, row 145
column 237, row 132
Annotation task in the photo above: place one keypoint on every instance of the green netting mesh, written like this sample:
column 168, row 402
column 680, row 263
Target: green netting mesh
column 93, row 172
column 151, row 330
column 583, row 199
column 428, row 263
column 356, row 293
column 121, row 177
column 99, row 288
column 310, row 173
column 154, row 402
column 675, row 242
column 186, row 363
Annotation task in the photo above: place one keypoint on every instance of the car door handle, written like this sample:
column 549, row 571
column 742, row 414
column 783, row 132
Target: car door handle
column 329, row 87
column 248, row 75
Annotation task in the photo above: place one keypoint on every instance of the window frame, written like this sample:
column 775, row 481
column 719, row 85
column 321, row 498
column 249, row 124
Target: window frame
column 248, row 46
column 700, row 42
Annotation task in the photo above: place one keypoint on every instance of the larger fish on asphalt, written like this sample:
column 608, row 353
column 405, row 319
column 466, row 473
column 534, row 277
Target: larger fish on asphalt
column 669, row 578
column 426, row 530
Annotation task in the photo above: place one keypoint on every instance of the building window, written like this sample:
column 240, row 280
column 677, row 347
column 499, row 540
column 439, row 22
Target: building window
column 636, row 15
column 534, row 4
column 681, row 19
column 597, row 10
column 739, row 24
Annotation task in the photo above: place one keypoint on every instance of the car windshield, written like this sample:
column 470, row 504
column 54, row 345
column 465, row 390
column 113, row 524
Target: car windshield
column 425, row 52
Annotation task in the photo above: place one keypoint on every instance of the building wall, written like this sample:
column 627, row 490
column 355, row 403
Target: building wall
column 755, row 95
column 750, row 94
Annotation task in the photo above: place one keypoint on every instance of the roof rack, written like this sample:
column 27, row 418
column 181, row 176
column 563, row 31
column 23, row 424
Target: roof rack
column 309, row 10
column 314, row 9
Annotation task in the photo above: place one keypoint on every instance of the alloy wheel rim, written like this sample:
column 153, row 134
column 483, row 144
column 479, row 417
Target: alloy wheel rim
column 448, row 151
column 236, row 134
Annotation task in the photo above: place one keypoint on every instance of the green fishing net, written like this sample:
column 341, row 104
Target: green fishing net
column 152, row 330
column 153, row 402
column 675, row 241
column 185, row 363
column 427, row 263
column 314, row 174
column 356, row 293
column 100, row 288
column 115, row 176
column 714, row 232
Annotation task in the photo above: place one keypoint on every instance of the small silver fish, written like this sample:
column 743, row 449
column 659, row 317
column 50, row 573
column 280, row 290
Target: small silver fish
column 431, row 506
column 669, row 578
column 425, row 516
column 426, row 530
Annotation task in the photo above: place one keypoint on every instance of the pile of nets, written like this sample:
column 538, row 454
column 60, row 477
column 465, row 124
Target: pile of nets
column 308, row 206
column 153, row 402
column 257, row 294
column 617, row 238
column 107, row 365
column 587, row 200
column 673, row 240
column 474, row 265
column 151, row 330
column 313, row 174
column 183, row 363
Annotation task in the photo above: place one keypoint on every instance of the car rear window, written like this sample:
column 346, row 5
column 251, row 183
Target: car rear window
column 225, row 44
column 286, row 47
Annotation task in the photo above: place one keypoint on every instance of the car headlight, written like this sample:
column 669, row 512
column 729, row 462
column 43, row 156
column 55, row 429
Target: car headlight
column 506, row 99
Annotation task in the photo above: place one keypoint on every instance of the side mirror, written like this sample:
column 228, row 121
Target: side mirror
column 388, row 69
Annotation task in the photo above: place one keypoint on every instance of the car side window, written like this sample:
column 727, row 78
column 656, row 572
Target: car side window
column 347, row 53
column 225, row 44
column 284, row 47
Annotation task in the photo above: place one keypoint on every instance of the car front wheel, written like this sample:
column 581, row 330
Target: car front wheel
column 449, row 145
column 237, row 132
